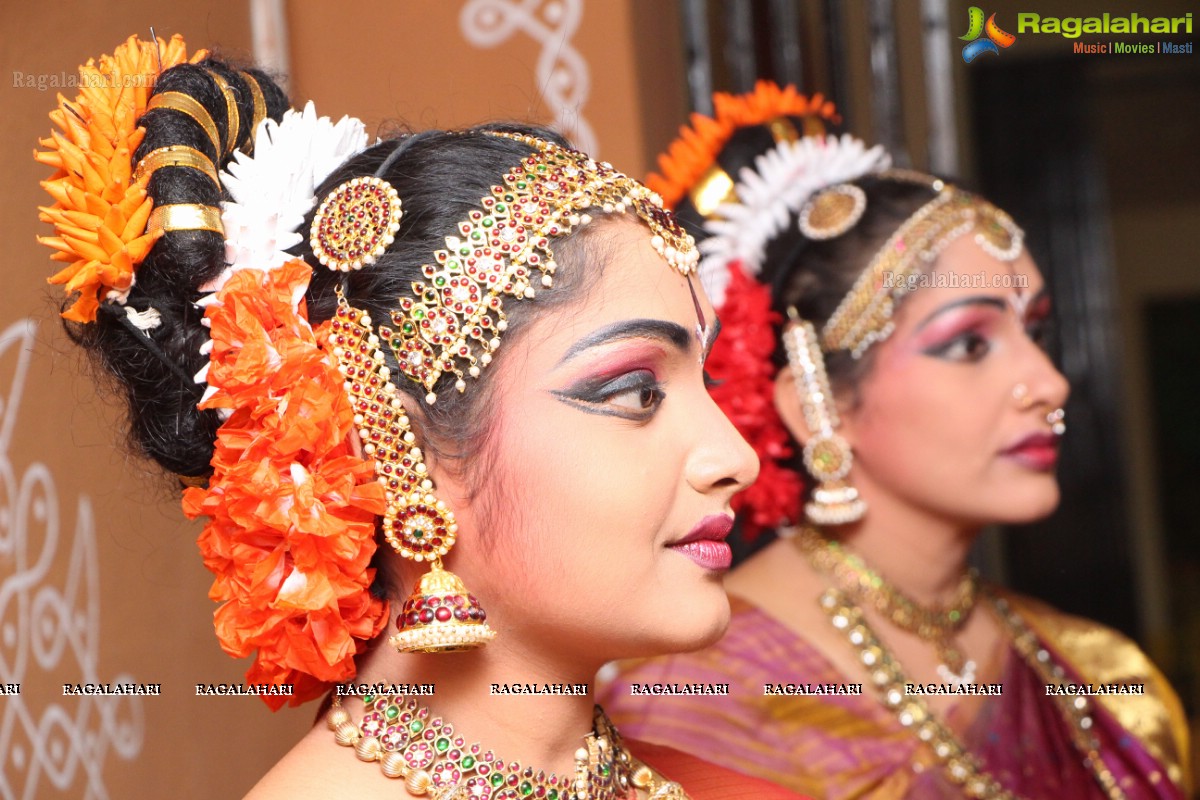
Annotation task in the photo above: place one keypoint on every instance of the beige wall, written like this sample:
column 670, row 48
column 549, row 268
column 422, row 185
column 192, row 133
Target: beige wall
column 122, row 589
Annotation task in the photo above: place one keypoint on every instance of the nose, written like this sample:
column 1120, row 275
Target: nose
column 721, row 461
column 1047, row 386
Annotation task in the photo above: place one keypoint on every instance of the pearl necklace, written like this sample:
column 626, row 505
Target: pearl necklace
column 410, row 743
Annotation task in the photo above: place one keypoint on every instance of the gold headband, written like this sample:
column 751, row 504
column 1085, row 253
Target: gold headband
column 454, row 322
column 864, row 316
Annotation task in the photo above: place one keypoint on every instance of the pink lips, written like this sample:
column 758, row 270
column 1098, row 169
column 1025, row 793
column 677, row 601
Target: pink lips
column 705, row 543
column 1037, row 451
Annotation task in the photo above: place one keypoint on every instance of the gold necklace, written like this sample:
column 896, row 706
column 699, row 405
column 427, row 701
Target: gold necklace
column 409, row 742
column 962, row 766
column 937, row 625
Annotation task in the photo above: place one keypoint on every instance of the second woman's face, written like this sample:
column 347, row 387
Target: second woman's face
column 608, row 502
column 952, row 416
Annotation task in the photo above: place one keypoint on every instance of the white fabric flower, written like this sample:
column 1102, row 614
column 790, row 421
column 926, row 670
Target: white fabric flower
column 273, row 189
column 781, row 181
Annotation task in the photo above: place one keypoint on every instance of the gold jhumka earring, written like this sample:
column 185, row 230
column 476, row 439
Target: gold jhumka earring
column 351, row 229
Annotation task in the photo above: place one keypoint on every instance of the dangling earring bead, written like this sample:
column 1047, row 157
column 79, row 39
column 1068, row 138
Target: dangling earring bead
column 440, row 615
column 826, row 454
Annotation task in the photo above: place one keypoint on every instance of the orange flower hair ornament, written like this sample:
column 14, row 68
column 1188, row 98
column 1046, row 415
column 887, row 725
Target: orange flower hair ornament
column 291, row 509
column 99, row 210
column 694, row 152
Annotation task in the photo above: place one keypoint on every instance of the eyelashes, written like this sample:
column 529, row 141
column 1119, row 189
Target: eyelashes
column 972, row 345
column 632, row 395
column 969, row 346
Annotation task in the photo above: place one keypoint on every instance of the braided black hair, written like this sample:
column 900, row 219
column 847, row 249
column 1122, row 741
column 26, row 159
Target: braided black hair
column 441, row 176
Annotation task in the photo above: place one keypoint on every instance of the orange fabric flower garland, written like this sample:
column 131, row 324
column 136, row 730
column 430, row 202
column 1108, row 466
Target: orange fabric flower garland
column 99, row 215
column 292, row 510
column 697, row 146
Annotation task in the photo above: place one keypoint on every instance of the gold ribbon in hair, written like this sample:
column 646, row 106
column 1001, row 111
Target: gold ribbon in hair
column 186, row 104
column 185, row 217
column 176, row 155
column 233, row 120
column 716, row 187
column 260, row 108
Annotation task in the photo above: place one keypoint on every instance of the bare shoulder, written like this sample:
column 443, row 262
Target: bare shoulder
column 317, row 768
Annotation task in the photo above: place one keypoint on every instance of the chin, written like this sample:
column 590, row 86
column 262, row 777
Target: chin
column 1031, row 506
column 681, row 621
column 699, row 620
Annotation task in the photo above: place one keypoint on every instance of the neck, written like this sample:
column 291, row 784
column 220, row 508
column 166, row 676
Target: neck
column 921, row 555
column 542, row 731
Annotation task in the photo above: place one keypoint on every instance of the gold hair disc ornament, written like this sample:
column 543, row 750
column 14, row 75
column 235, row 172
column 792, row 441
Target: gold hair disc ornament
column 439, row 615
column 355, row 224
column 454, row 321
column 826, row 454
column 832, row 211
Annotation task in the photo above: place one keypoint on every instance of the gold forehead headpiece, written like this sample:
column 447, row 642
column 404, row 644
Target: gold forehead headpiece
column 453, row 321
column 864, row 316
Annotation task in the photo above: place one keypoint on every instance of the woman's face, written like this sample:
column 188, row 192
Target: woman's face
column 951, row 418
column 607, row 501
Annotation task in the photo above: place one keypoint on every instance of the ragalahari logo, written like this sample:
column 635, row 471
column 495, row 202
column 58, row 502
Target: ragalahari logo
column 996, row 38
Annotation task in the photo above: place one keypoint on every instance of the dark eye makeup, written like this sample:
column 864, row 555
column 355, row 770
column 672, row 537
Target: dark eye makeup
column 968, row 346
column 633, row 395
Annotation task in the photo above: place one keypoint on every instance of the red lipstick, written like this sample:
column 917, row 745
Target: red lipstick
column 705, row 544
column 1037, row 451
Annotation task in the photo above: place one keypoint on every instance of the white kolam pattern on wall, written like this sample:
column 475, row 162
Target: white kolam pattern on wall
column 562, row 73
column 50, row 627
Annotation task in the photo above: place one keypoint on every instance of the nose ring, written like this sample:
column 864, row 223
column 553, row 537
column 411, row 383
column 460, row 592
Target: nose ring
column 1056, row 419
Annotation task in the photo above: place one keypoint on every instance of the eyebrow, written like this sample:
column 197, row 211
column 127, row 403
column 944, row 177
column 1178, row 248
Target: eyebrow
column 670, row 332
column 982, row 300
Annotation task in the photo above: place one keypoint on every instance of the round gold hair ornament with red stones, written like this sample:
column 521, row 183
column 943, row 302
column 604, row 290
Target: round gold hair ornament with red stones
column 355, row 224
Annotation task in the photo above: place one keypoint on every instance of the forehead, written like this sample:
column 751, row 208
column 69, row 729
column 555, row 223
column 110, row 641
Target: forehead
column 964, row 269
column 634, row 280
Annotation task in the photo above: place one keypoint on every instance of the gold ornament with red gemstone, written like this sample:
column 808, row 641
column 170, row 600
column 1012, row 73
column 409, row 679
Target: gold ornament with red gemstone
column 439, row 615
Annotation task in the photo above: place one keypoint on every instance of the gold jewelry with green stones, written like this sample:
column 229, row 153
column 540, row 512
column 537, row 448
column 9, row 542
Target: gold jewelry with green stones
column 409, row 742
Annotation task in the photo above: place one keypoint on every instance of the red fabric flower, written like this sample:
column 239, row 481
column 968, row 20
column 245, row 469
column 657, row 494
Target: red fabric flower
column 741, row 362
column 292, row 510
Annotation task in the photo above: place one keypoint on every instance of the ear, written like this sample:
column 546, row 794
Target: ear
column 787, row 404
column 791, row 410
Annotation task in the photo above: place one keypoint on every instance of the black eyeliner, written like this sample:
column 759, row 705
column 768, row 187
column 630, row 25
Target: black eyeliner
column 590, row 393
